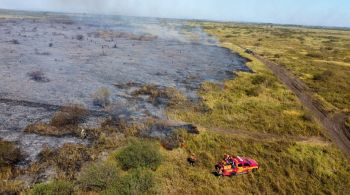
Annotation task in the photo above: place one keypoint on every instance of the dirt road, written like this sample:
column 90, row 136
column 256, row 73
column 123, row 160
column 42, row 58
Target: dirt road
column 334, row 123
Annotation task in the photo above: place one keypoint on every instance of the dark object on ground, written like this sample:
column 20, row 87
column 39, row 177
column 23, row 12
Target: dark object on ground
column 51, row 44
column 38, row 76
column 14, row 41
column 80, row 37
column 249, row 51
column 102, row 97
column 192, row 160
column 9, row 153
column 190, row 128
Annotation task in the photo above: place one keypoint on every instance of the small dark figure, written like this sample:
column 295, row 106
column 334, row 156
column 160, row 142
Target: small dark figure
column 192, row 160
column 51, row 44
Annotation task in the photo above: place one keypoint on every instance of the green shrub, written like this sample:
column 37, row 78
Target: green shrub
column 323, row 76
column 254, row 91
column 140, row 154
column 98, row 176
column 53, row 188
column 139, row 181
column 258, row 79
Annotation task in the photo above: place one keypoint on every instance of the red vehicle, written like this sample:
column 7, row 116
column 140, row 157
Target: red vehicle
column 231, row 166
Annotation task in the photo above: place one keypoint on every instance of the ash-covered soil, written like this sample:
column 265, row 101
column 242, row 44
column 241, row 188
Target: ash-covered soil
column 55, row 60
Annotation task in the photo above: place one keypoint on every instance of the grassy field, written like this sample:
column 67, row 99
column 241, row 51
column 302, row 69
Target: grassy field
column 295, row 155
column 252, row 102
column 320, row 57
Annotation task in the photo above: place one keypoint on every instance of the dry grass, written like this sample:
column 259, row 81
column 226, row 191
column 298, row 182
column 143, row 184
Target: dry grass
column 161, row 95
column 252, row 102
column 69, row 115
column 317, row 56
column 102, row 97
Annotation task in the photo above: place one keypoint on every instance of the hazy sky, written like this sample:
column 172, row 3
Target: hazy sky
column 309, row 12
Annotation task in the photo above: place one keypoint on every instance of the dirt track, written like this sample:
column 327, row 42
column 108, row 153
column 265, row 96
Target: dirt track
column 334, row 123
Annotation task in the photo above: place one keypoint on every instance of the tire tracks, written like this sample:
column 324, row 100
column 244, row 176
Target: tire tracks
column 333, row 123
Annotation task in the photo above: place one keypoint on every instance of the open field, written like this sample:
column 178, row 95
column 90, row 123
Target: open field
column 319, row 57
column 148, row 93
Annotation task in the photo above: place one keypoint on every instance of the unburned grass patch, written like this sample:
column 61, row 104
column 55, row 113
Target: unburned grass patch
column 252, row 102
column 309, row 53
column 140, row 154
column 158, row 95
column 53, row 187
column 286, row 167
column 99, row 176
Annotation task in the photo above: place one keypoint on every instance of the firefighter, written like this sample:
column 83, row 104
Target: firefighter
column 83, row 134
column 192, row 159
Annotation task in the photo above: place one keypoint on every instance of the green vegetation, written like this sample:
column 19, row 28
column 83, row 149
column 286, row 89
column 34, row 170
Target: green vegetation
column 253, row 115
column 253, row 102
column 286, row 167
column 99, row 176
column 139, row 181
column 320, row 57
column 53, row 188
column 140, row 154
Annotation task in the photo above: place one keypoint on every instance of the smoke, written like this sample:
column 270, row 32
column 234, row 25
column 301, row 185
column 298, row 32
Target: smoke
column 150, row 8
column 311, row 12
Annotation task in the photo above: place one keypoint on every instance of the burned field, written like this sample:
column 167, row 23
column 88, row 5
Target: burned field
column 109, row 65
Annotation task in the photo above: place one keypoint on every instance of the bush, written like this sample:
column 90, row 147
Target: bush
column 314, row 55
column 69, row 115
column 175, row 139
column 323, row 76
column 102, row 97
column 70, row 159
column 161, row 95
column 140, row 154
column 258, row 79
column 53, row 188
column 253, row 92
column 44, row 129
column 307, row 117
column 98, row 176
column 9, row 153
column 140, row 181
column 38, row 76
